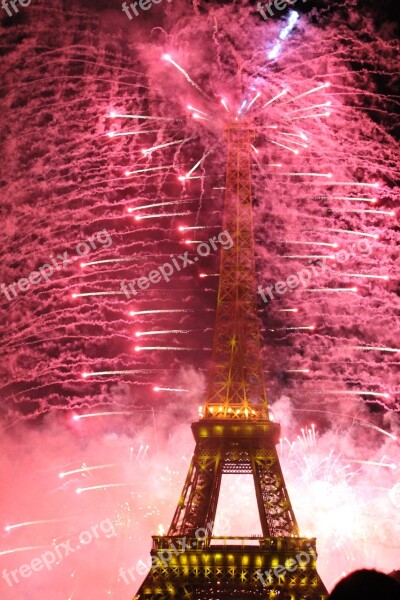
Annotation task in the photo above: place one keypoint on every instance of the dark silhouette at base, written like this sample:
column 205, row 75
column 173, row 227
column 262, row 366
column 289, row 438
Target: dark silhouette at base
column 366, row 585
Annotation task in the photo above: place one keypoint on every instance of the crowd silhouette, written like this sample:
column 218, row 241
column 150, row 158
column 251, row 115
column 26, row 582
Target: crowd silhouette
column 367, row 585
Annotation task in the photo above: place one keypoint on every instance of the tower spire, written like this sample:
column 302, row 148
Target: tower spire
column 236, row 387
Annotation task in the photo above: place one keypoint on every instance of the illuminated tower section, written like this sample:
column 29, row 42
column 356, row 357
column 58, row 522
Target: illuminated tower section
column 236, row 385
column 234, row 436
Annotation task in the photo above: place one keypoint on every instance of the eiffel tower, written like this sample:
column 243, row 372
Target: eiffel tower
column 234, row 435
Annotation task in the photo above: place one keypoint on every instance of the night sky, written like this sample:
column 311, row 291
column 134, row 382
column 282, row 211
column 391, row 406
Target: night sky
column 85, row 211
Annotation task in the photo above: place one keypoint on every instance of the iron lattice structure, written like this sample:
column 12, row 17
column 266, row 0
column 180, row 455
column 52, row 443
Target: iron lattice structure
column 236, row 436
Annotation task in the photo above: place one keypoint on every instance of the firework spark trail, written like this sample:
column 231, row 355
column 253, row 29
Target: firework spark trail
column 283, row 146
column 168, row 58
column 312, row 91
column 153, row 118
column 363, row 275
column 196, row 166
column 113, row 134
column 125, row 372
column 311, row 243
column 351, row 198
column 30, row 523
column 282, row 93
column 167, row 389
column 158, row 311
column 176, row 348
column 112, row 260
column 315, row 116
column 105, row 486
column 161, row 332
column 156, row 205
column 161, row 215
column 166, row 145
column 21, row 549
column 139, row 171
column 372, row 463
column 377, row 348
column 88, row 294
column 351, row 232
column 101, row 414
column 86, row 469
